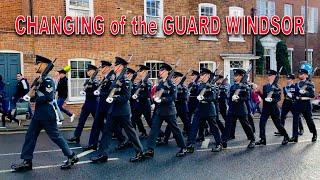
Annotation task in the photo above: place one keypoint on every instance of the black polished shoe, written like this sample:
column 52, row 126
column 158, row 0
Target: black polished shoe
column 218, row 148
column 70, row 162
column 182, row 152
column 224, row 145
column 301, row 132
column 90, row 147
column 314, row 138
column 251, row 144
column 293, row 139
column 190, row 149
column 149, row 153
column 277, row 134
column 99, row 159
column 26, row 165
column 261, row 142
column 285, row 140
column 138, row 157
column 74, row 140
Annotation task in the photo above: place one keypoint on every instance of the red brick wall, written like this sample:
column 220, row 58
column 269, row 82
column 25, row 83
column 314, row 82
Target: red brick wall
column 168, row 49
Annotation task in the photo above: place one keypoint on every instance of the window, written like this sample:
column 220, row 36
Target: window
column 154, row 68
column 235, row 65
column 290, row 57
column 79, row 8
column 77, row 77
column 237, row 12
column 312, row 18
column 153, row 10
column 211, row 65
column 310, row 56
column 266, row 8
column 207, row 9
column 287, row 10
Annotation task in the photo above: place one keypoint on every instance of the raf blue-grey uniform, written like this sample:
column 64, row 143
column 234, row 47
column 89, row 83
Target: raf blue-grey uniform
column 142, row 105
column 119, row 115
column 165, row 110
column 101, row 114
column 223, row 100
column 287, row 105
column 193, row 102
column 238, row 110
column 182, row 110
column 89, row 107
column 302, row 105
column 205, row 112
column 44, row 118
column 271, row 109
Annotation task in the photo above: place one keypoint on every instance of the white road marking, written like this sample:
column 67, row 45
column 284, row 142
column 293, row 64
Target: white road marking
column 57, row 165
column 205, row 143
column 85, row 153
column 244, row 147
column 38, row 152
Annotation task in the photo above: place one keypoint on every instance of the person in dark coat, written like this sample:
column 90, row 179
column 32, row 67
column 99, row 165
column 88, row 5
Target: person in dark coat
column 62, row 90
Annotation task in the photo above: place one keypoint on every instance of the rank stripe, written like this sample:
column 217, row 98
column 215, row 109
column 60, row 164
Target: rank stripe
column 57, row 165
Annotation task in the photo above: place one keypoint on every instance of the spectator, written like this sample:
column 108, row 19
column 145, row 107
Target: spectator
column 22, row 89
column 256, row 99
column 62, row 90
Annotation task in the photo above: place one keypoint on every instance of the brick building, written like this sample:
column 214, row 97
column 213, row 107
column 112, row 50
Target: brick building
column 194, row 51
column 296, row 44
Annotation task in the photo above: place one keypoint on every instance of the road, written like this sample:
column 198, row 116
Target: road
column 274, row 161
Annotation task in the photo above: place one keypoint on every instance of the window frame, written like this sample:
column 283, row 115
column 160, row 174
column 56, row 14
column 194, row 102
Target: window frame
column 290, row 54
column 313, row 21
column 214, row 7
column 311, row 60
column 288, row 7
column 236, row 38
column 68, row 7
column 160, row 33
column 79, row 98
column 153, row 61
column 208, row 62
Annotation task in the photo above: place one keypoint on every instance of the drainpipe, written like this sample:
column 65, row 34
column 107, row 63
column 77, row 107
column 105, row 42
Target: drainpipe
column 253, row 13
column 306, row 29
column 31, row 8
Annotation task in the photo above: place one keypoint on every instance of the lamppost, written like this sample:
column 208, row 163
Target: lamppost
column 306, row 28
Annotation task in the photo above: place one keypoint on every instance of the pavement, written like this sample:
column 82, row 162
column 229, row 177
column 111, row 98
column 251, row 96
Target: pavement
column 274, row 161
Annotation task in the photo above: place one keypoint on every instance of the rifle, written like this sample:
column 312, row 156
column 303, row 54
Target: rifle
column 134, row 76
column 184, row 78
column 109, row 76
column 243, row 81
column 37, row 82
column 116, row 82
column 274, row 83
column 160, row 92
column 310, row 78
column 143, row 82
column 90, row 80
column 212, row 80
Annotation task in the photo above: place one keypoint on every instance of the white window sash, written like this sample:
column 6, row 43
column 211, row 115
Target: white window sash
column 288, row 10
column 238, row 12
column 208, row 64
column 262, row 7
column 214, row 10
column 90, row 9
column 271, row 8
column 154, row 62
column 290, row 57
column 157, row 19
column 74, row 98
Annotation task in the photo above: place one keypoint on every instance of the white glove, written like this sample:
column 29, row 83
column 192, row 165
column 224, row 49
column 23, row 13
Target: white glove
column 96, row 92
column 109, row 100
column 200, row 98
column 302, row 91
column 157, row 100
column 82, row 93
column 268, row 99
column 289, row 95
column 134, row 96
column 26, row 98
column 235, row 97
